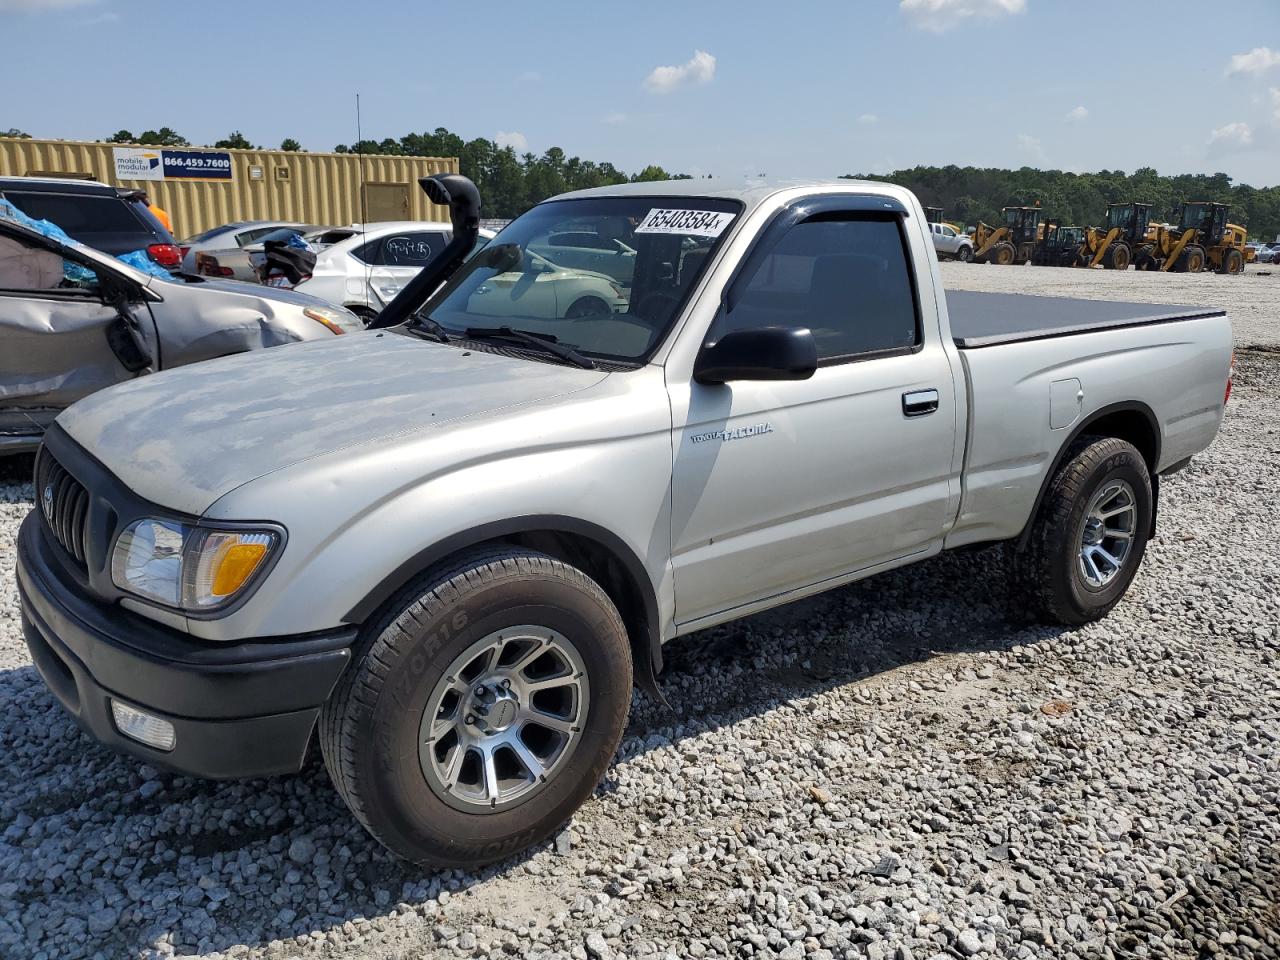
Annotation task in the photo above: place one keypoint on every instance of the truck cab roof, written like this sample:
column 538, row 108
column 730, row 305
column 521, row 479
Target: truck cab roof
column 752, row 193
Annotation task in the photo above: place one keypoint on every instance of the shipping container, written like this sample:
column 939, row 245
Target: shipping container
column 203, row 187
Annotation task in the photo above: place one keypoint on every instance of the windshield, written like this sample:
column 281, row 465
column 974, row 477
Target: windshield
column 1192, row 214
column 604, row 276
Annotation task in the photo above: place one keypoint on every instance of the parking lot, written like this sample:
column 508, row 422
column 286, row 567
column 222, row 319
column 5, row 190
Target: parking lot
column 901, row 768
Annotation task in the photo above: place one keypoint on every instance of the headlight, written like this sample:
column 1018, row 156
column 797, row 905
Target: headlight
column 192, row 568
column 337, row 321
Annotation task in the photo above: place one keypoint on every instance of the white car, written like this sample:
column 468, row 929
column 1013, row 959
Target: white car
column 543, row 290
column 365, row 271
column 948, row 244
column 231, row 236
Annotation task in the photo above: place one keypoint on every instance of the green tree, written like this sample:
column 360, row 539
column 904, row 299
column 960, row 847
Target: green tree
column 237, row 141
column 291, row 145
column 16, row 134
column 509, row 184
column 164, row 137
column 970, row 194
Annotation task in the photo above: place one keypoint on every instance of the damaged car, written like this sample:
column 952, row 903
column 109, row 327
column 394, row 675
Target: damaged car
column 74, row 320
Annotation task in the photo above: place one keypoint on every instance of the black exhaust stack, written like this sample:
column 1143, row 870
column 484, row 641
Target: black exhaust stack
column 463, row 201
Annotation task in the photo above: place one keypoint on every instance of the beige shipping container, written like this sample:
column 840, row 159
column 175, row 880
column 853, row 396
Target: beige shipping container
column 320, row 188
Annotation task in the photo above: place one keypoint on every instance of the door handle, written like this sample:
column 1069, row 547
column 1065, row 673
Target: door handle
column 919, row 403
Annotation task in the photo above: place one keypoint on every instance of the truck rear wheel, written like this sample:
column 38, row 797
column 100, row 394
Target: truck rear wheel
column 1232, row 262
column 1089, row 535
column 483, row 708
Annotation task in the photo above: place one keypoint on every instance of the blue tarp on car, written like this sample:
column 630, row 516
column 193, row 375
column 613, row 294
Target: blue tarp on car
column 75, row 273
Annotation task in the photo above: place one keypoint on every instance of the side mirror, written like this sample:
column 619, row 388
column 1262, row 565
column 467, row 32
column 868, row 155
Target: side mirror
column 767, row 353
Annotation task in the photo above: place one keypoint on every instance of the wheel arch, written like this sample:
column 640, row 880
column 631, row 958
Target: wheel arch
column 1132, row 421
column 598, row 552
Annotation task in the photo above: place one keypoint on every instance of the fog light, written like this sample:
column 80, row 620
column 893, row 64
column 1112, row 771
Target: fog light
column 143, row 727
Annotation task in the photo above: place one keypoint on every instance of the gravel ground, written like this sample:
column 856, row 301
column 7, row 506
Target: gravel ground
column 899, row 769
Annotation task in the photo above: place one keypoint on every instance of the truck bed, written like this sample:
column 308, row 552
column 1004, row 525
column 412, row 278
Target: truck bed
column 987, row 319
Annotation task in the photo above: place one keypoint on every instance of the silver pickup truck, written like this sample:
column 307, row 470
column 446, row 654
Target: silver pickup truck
column 445, row 548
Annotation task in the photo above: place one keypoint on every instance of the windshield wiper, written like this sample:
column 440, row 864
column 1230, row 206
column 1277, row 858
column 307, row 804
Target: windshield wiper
column 421, row 323
column 542, row 341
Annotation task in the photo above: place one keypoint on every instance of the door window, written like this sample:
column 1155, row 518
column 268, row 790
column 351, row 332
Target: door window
column 402, row 250
column 26, row 268
column 846, row 277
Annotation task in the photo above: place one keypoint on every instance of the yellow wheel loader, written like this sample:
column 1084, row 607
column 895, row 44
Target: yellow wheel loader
column 1012, row 242
column 1115, row 245
column 1199, row 239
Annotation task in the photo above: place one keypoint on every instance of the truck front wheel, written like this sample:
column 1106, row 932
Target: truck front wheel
column 483, row 708
column 1089, row 535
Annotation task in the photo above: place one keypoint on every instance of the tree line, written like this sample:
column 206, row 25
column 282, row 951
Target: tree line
column 512, row 182
column 509, row 183
column 970, row 194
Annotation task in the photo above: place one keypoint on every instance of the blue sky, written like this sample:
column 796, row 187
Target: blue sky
column 787, row 89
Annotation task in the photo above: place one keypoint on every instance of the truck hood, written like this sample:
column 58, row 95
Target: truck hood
column 186, row 437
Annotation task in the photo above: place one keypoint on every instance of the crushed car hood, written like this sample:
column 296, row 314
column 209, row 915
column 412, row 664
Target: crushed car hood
column 186, row 437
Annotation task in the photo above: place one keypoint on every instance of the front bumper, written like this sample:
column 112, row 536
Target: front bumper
column 244, row 709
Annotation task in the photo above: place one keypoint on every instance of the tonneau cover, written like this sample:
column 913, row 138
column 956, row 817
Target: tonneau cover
column 986, row 319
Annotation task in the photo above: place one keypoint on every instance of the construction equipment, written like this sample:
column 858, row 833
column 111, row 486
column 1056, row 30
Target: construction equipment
column 1057, row 246
column 1013, row 242
column 936, row 214
column 1200, row 236
column 1114, row 245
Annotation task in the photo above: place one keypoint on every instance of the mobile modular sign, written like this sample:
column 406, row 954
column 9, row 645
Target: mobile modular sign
column 145, row 163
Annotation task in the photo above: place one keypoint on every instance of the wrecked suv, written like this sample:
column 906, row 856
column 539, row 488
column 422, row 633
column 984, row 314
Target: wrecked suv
column 74, row 320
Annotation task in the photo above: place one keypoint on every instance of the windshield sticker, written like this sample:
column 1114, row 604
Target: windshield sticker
column 695, row 223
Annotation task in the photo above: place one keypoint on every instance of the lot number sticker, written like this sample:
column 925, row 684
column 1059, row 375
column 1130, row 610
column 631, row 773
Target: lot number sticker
column 695, row 223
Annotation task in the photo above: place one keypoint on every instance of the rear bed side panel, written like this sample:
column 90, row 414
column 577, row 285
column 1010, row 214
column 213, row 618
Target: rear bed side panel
column 1178, row 370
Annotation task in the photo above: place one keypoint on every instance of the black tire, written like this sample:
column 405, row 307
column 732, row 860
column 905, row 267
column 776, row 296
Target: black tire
column 1118, row 257
column 1047, row 574
column 1232, row 262
column 370, row 727
column 964, row 254
column 587, row 307
column 1191, row 260
column 1003, row 253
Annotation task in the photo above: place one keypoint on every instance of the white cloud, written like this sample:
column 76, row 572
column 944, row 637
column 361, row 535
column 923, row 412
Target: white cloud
column 868, row 118
column 1257, row 60
column 40, row 6
column 700, row 68
column 1030, row 145
column 1275, row 102
column 613, row 119
column 516, row 141
column 529, row 76
column 1233, row 135
column 941, row 15
column 1077, row 114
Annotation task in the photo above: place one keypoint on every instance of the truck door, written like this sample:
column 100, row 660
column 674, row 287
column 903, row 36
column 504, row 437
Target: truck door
column 779, row 486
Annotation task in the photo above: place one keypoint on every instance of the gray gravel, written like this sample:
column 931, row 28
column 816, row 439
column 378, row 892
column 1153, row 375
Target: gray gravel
column 899, row 769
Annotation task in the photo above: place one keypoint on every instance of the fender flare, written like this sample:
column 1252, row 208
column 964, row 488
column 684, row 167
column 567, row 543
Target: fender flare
column 646, row 668
column 1126, row 406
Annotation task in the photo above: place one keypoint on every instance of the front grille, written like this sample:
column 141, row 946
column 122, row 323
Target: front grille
column 64, row 504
